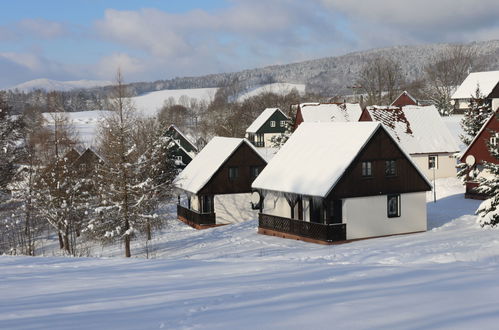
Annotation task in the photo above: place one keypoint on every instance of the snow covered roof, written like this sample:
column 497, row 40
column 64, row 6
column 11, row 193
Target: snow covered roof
column 330, row 112
column 486, row 80
column 183, row 135
column 262, row 118
column 419, row 130
column 202, row 168
column 306, row 164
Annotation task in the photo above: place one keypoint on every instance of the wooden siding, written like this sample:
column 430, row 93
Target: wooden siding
column 184, row 143
column 404, row 100
column 495, row 93
column 365, row 116
column 380, row 148
column 299, row 118
column 86, row 163
column 243, row 158
column 277, row 116
column 479, row 149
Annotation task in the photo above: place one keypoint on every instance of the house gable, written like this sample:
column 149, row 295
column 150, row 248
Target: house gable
column 175, row 134
column 244, row 157
column 479, row 146
column 365, row 116
column 276, row 117
column 495, row 93
column 404, row 99
column 379, row 149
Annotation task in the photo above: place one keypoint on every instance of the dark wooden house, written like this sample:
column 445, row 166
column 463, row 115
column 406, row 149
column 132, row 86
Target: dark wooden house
column 478, row 152
column 185, row 149
column 215, row 188
column 271, row 122
column 334, row 182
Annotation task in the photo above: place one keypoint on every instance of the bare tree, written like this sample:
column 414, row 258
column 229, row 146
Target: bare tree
column 447, row 71
column 381, row 79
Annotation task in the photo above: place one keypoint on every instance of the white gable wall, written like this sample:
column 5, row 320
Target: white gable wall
column 234, row 208
column 446, row 165
column 367, row 216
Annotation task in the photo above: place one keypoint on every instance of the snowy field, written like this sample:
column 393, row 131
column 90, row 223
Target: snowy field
column 233, row 278
column 277, row 88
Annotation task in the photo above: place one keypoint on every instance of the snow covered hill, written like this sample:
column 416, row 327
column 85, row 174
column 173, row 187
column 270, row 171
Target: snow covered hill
column 231, row 277
column 56, row 85
column 277, row 88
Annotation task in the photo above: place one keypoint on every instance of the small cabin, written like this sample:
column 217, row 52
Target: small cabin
column 487, row 81
column 422, row 133
column 215, row 188
column 334, row 182
column 271, row 122
column 185, row 149
column 327, row 112
column 478, row 152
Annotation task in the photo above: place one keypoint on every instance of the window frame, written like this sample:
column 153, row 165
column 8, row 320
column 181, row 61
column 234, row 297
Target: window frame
column 233, row 173
column 435, row 164
column 397, row 198
column 254, row 169
column 272, row 123
column 367, row 171
column 390, row 167
column 282, row 123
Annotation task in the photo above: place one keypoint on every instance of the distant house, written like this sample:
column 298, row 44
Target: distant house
column 327, row 112
column 487, row 82
column 271, row 122
column 422, row 133
column 478, row 152
column 333, row 182
column 72, row 154
column 87, row 162
column 217, row 183
column 185, row 151
column 407, row 99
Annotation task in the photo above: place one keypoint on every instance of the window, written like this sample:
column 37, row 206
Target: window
column 282, row 123
column 254, row 171
column 432, row 162
column 367, row 169
column 393, row 206
column 259, row 140
column 493, row 141
column 177, row 141
column 179, row 158
column 206, row 204
column 272, row 123
column 233, row 173
column 390, row 168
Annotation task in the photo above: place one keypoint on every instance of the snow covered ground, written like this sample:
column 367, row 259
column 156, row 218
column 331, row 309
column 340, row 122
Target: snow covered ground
column 84, row 123
column 277, row 88
column 231, row 277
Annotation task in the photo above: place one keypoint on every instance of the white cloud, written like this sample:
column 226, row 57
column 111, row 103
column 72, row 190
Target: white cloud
column 42, row 28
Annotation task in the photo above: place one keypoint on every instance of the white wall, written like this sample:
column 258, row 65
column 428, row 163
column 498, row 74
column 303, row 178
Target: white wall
column 495, row 104
column 234, row 208
column 277, row 206
column 267, row 137
column 367, row 216
column 446, row 166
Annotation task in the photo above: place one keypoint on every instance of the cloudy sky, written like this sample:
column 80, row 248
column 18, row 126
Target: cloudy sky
column 161, row 39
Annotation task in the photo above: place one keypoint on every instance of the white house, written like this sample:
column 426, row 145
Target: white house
column 271, row 122
column 487, row 82
column 422, row 133
column 341, row 181
column 215, row 188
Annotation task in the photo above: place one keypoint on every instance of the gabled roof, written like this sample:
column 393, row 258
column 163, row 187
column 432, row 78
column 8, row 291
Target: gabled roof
column 419, row 130
column 315, row 157
column 330, row 112
column 182, row 134
column 406, row 94
column 262, row 119
column 478, row 136
column 485, row 80
column 202, row 168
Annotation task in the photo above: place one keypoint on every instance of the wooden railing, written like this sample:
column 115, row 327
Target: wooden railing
column 317, row 231
column 196, row 217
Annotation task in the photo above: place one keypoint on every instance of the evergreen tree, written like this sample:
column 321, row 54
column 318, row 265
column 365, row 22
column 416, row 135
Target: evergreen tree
column 475, row 116
column 488, row 211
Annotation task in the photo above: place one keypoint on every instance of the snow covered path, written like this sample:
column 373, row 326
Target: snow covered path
column 230, row 277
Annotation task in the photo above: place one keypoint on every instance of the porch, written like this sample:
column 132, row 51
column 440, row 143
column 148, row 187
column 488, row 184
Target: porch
column 196, row 219
column 301, row 230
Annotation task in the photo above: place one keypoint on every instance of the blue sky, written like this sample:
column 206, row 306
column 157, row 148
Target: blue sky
column 155, row 39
